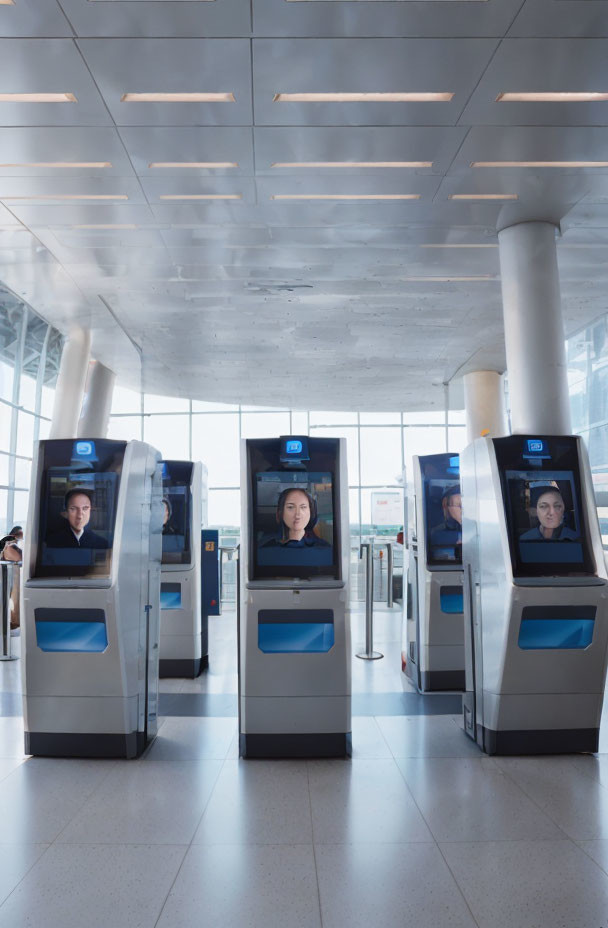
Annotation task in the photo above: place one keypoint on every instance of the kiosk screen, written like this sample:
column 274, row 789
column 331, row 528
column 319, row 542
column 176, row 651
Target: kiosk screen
column 542, row 496
column 294, row 524
column 78, row 498
column 442, row 509
column 177, row 496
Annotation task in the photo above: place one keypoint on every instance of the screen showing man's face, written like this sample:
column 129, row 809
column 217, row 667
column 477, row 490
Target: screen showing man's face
column 78, row 511
column 454, row 507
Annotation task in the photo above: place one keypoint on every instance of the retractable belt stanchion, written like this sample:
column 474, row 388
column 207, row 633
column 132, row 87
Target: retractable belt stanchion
column 6, row 576
column 369, row 654
column 389, row 573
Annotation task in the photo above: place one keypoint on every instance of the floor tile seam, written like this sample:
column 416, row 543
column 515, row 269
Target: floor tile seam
column 29, row 869
column 533, row 801
column 587, row 854
column 186, row 849
column 9, row 772
column 379, row 727
column 312, row 834
column 423, row 817
column 211, row 792
column 458, row 886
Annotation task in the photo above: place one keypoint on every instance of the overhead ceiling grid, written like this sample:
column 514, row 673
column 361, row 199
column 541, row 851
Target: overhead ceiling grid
column 297, row 201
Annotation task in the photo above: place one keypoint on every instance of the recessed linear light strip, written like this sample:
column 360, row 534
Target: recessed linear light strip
column 59, row 164
column 483, row 196
column 200, row 196
column 539, row 164
column 37, row 98
column 107, row 226
column 178, row 97
column 70, row 196
column 352, row 164
column 193, row 164
column 560, row 96
column 394, row 97
column 463, row 245
column 346, row 196
column 449, row 279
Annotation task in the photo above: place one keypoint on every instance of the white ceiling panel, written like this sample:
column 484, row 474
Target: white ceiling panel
column 48, row 66
column 298, row 144
column 122, row 66
column 150, row 18
column 67, row 189
column 576, row 18
column 366, row 66
column 158, row 186
column 69, row 213
column 334, row 18
column 543, row 66
column 188, row 146
column 40, row 147
column 33, row 18
column 532, row 143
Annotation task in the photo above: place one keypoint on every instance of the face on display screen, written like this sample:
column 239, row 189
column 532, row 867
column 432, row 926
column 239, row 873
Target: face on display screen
column 294, row 523
column 177, row 476
column 78, row 507
column 543, row 508
column 442, row 508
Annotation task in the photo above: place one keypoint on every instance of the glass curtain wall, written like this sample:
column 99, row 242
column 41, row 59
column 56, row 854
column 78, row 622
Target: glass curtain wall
column 30, row 352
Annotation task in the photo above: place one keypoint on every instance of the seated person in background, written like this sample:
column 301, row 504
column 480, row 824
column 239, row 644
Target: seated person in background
column 450, row 530
column 10, row 550
column 77, row 507
column 297, row 516
column 550, row 511
column 167, row 513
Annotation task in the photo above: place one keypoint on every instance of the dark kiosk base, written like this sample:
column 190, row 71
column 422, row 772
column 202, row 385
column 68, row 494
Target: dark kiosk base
column 547, row 741
column 323, row 744
column 56, row 744
column 182, row 667
column 435, row 681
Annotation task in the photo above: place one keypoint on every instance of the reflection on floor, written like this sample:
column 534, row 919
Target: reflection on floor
column 419, row 827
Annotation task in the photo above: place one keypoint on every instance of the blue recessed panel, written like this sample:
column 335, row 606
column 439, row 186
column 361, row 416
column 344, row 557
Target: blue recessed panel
column 76, row 630
column 560, row 634
column 295, row 631
column 170, row 596
column 450, row 599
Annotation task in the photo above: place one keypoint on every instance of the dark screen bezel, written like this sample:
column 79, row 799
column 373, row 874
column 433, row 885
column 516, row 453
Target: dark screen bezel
column 437, row 463
column 564, row 456
column 324, row 458
column 185, row 556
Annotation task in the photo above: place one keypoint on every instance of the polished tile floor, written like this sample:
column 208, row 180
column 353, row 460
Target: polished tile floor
column 419, row 828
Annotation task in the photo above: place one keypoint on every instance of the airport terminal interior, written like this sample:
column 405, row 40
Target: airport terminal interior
column 303, row 463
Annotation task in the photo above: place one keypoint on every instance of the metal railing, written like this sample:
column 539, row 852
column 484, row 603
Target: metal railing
column 369, row 654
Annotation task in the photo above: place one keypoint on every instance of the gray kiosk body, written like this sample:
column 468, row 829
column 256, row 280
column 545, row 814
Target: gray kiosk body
column 294, row 631
column 183, row 628
column 91, row 599
column 536, row 621
column 434, row 621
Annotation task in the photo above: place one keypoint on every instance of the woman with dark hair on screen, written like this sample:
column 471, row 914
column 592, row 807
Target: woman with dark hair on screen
column 296, row 516
column 167, row 513
column 550, row 512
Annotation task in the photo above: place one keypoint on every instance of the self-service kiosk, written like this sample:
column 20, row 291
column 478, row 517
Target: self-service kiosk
column 183, row 630
column 536, row 616
column 91, row 599
column 294, row 632
column 434, row 621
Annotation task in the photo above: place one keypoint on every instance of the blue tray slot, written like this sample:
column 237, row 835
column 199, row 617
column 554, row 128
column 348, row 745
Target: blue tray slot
column 170, row 596
column 295, row 631
column 76, row 630
column 450, row 600
column 556, row 627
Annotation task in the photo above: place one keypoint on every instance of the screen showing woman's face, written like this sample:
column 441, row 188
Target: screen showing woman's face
column 550, row 510
column 296, row 511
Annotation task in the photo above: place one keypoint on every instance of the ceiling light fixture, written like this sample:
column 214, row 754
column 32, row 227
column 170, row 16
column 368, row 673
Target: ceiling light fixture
column 405, row 97
column 193, row 164
column 70, row 196
column 346, row 196
column 59, row 164
column 177, row 98
column 37, row 98
column 449, row 279
column 450, row 245
column 565, row 96
column 200, row 196
column 483, row 196
column 539, row 164
column 352, row 164
column 106, row 225
column 7, row 2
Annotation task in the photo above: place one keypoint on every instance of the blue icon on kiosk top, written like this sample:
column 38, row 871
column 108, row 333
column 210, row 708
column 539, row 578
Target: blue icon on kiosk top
column 294, row 450
column 536, row 449
column 293, row 447
column 84, row 451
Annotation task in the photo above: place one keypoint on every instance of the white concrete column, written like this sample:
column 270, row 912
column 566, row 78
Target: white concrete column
column 534, row 330
column 70, row 384
column 484, row 405
column 97, row 402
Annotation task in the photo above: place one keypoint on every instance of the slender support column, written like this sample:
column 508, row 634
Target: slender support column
column 484, row 405
column 70, row 384
column 534, row 330
column 97, row 403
